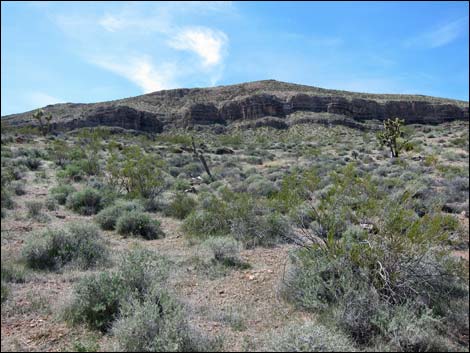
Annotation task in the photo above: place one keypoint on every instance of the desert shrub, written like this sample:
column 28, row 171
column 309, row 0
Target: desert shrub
column 181, row 184
column 79, row 246
column 295, row 188
column 431, row 160
column 142, row 269
column 193, row 169
column 405, row 331
column 457, row 189
column 225, row 250
column 85, row 202
column 358, row 314
column 90, row 166
column 309, row 337
column 13, row 273
column 213, row 219
column 136, row 173
column 97, row 299
column 134, row 223
column 32, row 163
column 6, row 197
column 262, row 187
column 5, row 291
column 181, row 206
column 107, row 218
column 72, row 172
column 247, row 219
column 35, row 211
column 386, row 257
column 156, row 324
column 51, row 204
column 18, row 188
column 61, row 192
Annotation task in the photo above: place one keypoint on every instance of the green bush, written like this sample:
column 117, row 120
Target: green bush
column 34, row 209
column 136, row 173
column 61, row 192
column 80, row 246
column 98, row 298
column 134, row 223
column 72, row 171
column 13, row 273
column 32, row 163
column 85, row 202
column 96, row 301
column 181, row 206
column 406, row 331
column 262, row 187
column 51, row 204
column 142, row 269
column 156, row 324
column 107, row 218
column 386, row 257
column 249, row 220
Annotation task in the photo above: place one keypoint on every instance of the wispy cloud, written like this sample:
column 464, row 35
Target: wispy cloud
column 141, row 71
column 144, row 43
column 439, row 36
column 207, row 43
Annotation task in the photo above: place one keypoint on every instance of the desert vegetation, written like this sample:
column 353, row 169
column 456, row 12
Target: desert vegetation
column 311, row 238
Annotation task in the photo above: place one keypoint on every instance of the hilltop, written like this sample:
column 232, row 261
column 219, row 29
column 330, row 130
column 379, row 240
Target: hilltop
column 242, row 103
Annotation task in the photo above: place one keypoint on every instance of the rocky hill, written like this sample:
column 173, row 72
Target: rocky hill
column 253, row 104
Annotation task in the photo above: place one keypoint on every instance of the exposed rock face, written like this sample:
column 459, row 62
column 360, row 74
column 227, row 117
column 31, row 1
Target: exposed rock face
column 202, row 114
column 116, row 116
column 276, row 123
column 363, row 109
column 254, row 104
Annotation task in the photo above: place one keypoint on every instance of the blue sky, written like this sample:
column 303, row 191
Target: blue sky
column 95, row 51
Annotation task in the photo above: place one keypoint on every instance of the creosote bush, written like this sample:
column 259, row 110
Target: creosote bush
column 381, row 257
column 85, row 202
column 107, row 218
column 80, row 245
column 181, row 206
column 251, row 221
column 61, row 192
column 135, row 223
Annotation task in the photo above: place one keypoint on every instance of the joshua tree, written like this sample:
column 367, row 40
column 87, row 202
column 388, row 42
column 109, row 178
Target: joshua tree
column 40, row 117
column 391, row 136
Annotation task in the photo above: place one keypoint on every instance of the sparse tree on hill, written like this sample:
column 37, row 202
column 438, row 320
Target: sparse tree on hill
column 392, row 136
column 43, row 120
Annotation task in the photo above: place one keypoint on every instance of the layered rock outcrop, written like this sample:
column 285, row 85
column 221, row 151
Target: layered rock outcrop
column 114, row 116
column 243, row 104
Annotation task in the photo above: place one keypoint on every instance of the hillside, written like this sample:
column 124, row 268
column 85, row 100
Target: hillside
column 224, row 105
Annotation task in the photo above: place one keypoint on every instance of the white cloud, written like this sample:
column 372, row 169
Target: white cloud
column 439, row 36
column 111, row 23
column 207, row 43
column 145, row 42
column 141, row 71
column 41, row 99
